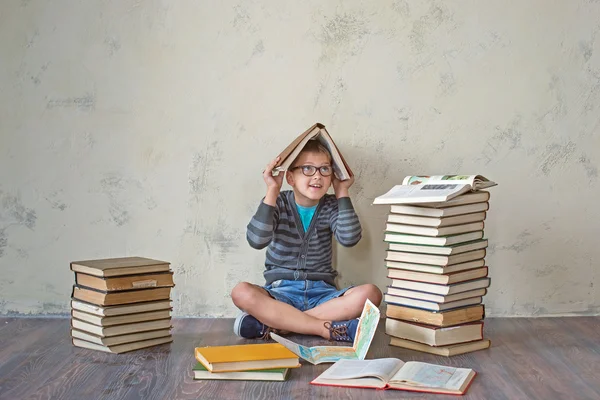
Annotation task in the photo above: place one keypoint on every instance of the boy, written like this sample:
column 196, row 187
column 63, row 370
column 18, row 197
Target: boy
column 300, row 294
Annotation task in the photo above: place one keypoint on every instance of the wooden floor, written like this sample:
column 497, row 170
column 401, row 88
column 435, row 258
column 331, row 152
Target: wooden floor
column 545, row 358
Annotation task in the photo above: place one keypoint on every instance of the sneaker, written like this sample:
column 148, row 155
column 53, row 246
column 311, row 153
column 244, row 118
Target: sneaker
column 342, row 331
column 248, row 327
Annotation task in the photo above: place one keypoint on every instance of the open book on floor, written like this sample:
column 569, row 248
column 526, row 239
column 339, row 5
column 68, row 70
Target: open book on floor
column 328, row 354
column 316, row 132
column 392, row 373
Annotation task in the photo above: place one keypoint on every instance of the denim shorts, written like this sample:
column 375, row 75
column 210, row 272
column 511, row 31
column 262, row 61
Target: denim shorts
column 303, row 295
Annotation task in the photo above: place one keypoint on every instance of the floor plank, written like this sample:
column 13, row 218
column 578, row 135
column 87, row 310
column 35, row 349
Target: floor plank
column 539, row 358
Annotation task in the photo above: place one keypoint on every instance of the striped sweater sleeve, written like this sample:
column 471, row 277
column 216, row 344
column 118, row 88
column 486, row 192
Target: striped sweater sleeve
column 345, row 224
column 259, row 231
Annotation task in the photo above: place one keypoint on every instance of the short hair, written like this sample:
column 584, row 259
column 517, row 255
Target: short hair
column 315, row 146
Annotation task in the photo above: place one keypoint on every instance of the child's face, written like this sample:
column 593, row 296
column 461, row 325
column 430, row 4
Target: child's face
column 308, row 190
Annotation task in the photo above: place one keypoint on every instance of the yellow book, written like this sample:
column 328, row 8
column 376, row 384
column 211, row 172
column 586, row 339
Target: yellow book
column 246, row 357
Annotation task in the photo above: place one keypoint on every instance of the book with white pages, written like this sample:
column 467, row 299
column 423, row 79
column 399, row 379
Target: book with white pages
column 429, row 305
column 439, row 279
column 435, row 298
column 120, row 319
column 432, row 259
column 467, row 198
column 436, row 221
column 415, row 194
column 121, row 339
column 475, row 182
column 441, row 211
column 392, row 373
column 439, row 250
column 110, row 311
column 432, row 231
column 122, row 348
column 435, row 269
column 482, row 283
column 449, row 240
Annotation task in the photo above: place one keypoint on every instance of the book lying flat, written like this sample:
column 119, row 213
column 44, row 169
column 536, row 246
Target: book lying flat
column 439, row 250
column 431, row 231
column 454, row 288
column 315, row 132
column 435, row 269
column 449, row 240
column 122, row 309
column 245, row 357
column 436, row 221
column 434, row 259
column 365, row 332
column 125, row 329
column 441, row 211
column 120, row 266
column 430, row 305
column 467, row 198
column 275, row 374
column 120, row 319
column 392, row 373
column 122, row 348
column 433, row 335
column 102, row 298
column 443, row 318
column 125, row 282
column 447, row 351
column 417, row 194
column 121, row 339
column 476, row 182
column 436, row 298
column 445, row 279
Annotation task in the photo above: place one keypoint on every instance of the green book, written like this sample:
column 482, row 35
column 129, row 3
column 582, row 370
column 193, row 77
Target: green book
column 275, row 374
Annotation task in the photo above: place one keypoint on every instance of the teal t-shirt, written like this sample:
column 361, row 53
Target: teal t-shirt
column 306, row 214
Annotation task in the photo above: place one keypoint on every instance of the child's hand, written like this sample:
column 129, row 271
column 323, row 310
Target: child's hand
column 341, row 187
column 273, row 182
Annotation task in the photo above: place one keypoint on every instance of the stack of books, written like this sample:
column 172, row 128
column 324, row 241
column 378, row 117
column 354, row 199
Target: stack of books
column 121, row 304
column 436, row 261
column 248, row 362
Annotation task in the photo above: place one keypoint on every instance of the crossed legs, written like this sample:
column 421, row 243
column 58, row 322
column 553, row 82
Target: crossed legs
column 257, row 302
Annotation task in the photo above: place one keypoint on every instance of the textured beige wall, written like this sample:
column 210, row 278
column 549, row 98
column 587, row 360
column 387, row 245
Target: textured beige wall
column 142, row 128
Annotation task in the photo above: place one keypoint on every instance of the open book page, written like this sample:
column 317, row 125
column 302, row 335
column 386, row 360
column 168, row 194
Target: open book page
column 382, row 368
column 432, row 376
column 365, row 332
column 317, row 354
column 338, row 164
column 476, row 182
column 427, row 193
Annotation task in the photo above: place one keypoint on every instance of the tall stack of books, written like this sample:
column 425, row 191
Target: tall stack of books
column 436, row 261
column 121, row 304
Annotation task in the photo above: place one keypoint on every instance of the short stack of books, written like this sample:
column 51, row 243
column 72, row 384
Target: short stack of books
column 436, row 261
column 121, row 304
column 256, row 362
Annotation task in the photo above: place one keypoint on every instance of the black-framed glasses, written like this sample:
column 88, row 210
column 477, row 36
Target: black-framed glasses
column 310, row 170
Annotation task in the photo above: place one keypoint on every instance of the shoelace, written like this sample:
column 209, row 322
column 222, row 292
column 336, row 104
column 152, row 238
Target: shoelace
column 266, row 333
column 336, row 332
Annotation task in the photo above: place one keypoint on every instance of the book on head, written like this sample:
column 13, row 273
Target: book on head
column 315, row 132
column 392, row 373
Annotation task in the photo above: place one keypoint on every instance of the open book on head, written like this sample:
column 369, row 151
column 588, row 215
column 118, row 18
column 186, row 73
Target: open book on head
column 392, row 373
column 315, row 132
column 329, row 354
column 432, row 189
